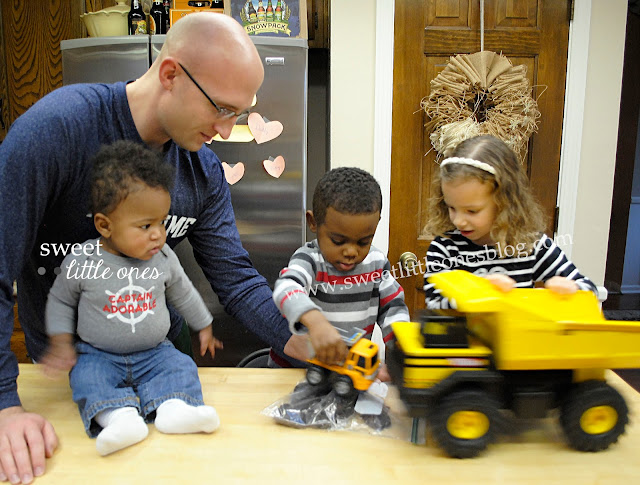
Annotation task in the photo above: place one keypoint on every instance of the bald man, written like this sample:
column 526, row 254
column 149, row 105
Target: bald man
column 204, row 79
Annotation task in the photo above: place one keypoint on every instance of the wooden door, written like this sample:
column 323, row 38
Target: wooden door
column 427, row 34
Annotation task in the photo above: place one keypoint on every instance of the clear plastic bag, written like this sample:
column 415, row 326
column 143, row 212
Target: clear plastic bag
column 320, row 407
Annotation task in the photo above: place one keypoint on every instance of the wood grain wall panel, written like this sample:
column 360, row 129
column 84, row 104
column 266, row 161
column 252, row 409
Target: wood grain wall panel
column 4, row 94
column 95, row 5
column 65, row 24
column 22, row 41
column 32, row 32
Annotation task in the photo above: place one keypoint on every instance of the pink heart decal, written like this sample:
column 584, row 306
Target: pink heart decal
column 262, row 131
column 233, row 173
column 274, row 167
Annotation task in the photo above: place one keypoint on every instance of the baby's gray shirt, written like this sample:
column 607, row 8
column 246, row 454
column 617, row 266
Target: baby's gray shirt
column 119, row 304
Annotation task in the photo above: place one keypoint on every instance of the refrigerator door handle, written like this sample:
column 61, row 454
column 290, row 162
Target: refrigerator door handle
column 274, row 61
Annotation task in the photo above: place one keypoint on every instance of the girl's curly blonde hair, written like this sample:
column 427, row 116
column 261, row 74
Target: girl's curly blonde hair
column 519, row 217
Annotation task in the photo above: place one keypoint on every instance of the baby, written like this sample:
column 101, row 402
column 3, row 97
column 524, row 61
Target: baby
column 107, row 315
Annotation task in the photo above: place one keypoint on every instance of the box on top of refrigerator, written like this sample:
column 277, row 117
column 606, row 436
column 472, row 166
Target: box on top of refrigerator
column 277, row 18
column 180, row 8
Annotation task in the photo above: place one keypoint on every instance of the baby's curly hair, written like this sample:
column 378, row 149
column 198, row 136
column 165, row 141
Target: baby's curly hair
column 519, row 218
column 123, row 167
column 348, row 190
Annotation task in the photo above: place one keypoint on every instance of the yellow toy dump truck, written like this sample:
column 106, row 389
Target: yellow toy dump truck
column 357, row 372
column 527, row 351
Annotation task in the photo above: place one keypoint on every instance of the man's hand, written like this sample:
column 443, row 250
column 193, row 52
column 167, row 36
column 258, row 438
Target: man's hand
column 26, row 440
column 561, row 285
column 208, row 341
column 298, row 347
column 325, row 339
column 60, row 355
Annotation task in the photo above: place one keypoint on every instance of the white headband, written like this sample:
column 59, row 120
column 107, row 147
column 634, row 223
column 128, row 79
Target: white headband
column 469, row 161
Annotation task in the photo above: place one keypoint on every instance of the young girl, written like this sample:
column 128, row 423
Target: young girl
column 485, row 220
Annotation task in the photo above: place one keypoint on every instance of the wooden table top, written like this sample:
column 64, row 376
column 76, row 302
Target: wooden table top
column 250, row 447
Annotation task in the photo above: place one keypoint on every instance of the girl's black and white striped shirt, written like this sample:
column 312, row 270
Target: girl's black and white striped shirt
column 454, row 251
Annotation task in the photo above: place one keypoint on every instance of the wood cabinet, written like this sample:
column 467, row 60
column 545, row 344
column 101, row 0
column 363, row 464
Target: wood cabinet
column 30, row 48
column 4, row 96
column 17, row 339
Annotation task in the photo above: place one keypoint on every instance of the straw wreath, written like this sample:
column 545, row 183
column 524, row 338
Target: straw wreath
column 477, row 94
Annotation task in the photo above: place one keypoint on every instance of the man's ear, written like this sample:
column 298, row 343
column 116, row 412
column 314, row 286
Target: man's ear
column 167, row 72
column 103, row 224
column 311, row 221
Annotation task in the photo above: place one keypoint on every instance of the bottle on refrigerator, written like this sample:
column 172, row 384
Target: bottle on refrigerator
column 137, row 19
column 157, row 24
column 218, row 5
column 167, row 14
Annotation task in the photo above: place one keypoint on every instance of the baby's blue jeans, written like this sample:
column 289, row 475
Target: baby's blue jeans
column 102, row 380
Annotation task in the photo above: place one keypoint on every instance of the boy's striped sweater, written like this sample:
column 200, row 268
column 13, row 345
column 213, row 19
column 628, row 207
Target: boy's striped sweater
column 360, row 298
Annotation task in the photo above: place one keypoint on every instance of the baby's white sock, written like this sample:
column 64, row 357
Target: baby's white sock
column 122, row 427
column 175, row 416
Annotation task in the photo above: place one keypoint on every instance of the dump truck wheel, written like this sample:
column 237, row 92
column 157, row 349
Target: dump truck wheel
column 593, row 416
column 316, row 375
column 464, row 423
column 343, row 386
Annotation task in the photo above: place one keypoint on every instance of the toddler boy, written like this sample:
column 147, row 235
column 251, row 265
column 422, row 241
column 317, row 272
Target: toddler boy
column 339, row 279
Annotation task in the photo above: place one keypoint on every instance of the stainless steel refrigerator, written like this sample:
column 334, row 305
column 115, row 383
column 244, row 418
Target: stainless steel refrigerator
column 269, row 210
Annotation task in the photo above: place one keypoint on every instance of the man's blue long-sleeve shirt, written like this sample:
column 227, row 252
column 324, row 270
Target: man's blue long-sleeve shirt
column 44, row 190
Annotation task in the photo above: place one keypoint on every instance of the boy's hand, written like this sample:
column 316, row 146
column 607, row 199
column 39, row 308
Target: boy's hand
column 383, row 373
column 60, row 355
column 561, row 285
column 208, row 341
column 325, row 339
column 503, row 282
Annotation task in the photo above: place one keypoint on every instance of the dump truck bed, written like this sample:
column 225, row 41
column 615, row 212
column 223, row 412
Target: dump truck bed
column 531, row 329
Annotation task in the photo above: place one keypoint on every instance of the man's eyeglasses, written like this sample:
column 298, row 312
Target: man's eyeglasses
column 223, row 113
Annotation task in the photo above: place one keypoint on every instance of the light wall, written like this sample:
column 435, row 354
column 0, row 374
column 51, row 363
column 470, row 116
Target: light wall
column 591, row 131
column 352, row 67
column 587, row 173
